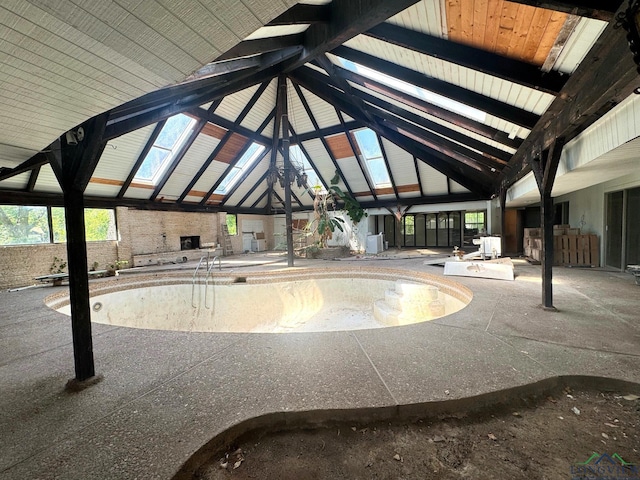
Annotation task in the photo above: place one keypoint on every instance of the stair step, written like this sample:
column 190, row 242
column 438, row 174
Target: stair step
column 393, row 299
column 385, row 314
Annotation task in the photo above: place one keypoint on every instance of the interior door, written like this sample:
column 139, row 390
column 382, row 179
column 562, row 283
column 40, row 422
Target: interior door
column 632, row 232
column 615, row 202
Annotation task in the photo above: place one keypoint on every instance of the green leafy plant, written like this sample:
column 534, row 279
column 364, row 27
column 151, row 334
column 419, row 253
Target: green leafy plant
column 58, row 265
column 117, row 265
column 325, row 223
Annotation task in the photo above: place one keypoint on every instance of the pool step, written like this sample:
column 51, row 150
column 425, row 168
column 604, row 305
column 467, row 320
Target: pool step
column 385, row 314
column 407, row 302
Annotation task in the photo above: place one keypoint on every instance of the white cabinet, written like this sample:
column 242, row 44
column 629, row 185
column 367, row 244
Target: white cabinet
column 258, row 245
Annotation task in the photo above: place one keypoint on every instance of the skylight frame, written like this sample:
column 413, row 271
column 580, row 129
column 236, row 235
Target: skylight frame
column 375, row 163
column 244, row 163
column 169, row 150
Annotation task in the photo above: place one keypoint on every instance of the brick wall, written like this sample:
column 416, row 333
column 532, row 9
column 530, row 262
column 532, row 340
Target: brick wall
column 140, row 232
column 21, row 263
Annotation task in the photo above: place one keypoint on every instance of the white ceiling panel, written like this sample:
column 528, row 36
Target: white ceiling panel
column 121, row 154
column 433, row 182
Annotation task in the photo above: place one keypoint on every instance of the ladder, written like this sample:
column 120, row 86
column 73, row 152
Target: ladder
column 228, row 248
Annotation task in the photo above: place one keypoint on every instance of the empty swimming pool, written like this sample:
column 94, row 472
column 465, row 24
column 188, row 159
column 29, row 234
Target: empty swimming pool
column 275, row 302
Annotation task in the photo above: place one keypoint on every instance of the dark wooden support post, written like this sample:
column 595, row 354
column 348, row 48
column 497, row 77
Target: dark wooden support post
column 282, row 98
column 73, row 158
column 544, row 168
column 503, row 223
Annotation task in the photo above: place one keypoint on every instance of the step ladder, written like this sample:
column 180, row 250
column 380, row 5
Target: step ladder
column 228, row 248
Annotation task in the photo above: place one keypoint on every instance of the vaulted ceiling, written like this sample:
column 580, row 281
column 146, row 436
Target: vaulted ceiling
column 407, row 101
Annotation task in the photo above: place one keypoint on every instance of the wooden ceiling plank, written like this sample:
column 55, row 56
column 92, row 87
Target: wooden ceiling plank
column 494, row 14
column 454, row 21
column 507, row 24
column 520, row 33
column 539, row 23
column 480, row 13
column 551, row 33
column 605, row 77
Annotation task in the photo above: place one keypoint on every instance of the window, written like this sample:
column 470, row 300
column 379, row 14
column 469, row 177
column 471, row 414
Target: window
column 170, row 139
column 418, row 92
column 99, row 224
column 232, row 224
column 22, row 225
column 242, row 165
column 474, row 222
column 301, row 162
column 372, row 154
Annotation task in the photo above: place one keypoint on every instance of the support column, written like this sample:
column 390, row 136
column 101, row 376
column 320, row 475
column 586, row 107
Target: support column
column 282, row 97
column 79, row 285
column 503, row 223
column 544, row 168
column 73, row 159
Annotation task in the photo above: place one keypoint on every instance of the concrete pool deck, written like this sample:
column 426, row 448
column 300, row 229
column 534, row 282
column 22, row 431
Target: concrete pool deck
column 165, row 394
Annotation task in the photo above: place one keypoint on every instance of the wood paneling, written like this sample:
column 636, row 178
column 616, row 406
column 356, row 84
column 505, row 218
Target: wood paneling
column 231, row 149
column 213, row 131
column 106, row 181
column 339, row 145
column 506, row 28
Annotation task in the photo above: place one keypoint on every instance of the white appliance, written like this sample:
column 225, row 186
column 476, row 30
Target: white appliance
column 247, row 238
column 375, row 243
column 258, row 245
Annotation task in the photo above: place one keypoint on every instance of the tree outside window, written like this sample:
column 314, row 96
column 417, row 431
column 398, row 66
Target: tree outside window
column 232, row 224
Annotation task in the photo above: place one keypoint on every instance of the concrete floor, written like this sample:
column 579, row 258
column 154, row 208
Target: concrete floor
column 165, row 394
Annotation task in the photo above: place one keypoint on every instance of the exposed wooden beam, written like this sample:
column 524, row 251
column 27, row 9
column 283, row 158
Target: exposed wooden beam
column 483, row 61
column 244, row 176
column 498, row 155
column 177, row 158
column 438, row 146
column 423, row 200
column 348, row 19
column 430, row 109
column 36, row 161
column 33, row 178
column 355, row 149
column 327, row 131
column 232, row 125
column 143, row 154
column 598, row 9
column 262, row 45
column 603, row 79
column 388, row 166
column 305, row 104
column 297, row 141
column 474, row 181
column 157, row 106
column 252, row 190
column 483, row 103
column 418, row 176
column 302, row 13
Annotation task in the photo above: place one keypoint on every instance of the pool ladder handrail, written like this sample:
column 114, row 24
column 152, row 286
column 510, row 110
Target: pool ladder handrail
column 206, row 279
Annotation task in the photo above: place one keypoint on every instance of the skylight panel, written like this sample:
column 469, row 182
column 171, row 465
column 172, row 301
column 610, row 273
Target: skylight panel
column 241, row 166
column 372, row 154
column 171, row 138
column 417, row 92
